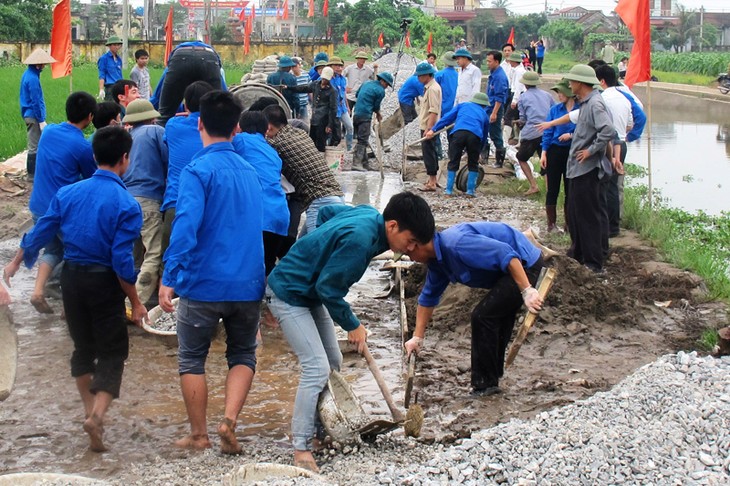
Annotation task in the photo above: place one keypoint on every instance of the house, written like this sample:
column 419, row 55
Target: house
column 460, row 12
column 590, row 20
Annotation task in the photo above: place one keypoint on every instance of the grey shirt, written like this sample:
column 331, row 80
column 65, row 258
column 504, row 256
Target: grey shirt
column 356, row 77
column 593, row 131
column 142, row 78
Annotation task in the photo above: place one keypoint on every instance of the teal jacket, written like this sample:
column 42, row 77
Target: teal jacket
column 322, row 266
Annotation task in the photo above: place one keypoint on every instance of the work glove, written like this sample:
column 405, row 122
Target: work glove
column 532, row 299
column 42, row 125
column 413, row 345
column 101, row 95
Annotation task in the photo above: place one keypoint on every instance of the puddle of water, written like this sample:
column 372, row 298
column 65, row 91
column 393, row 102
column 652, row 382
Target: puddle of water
column 40, row 423
column 690, row 151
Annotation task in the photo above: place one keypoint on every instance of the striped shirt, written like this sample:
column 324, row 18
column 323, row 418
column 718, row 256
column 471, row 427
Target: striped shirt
column 303, row 79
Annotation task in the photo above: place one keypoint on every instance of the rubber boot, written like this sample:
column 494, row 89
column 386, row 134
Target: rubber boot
column 550, row 211
column 484, row 156
column 30, row 166
column 471, row 184
column 450, row 178
column 499, row 158
column 359, row 156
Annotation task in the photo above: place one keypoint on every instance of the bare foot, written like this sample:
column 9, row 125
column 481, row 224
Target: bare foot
column 193, row 442
column 305, row 460
column 95, row 429
column 227, row 433
column 40, row 304
column 532, row 190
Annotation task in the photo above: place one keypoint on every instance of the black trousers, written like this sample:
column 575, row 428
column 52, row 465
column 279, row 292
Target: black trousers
column 492, row 321
column 94, row 304
column 296, row 208
column 603, row 187
column 319, row 136
column 557, row 161
column 430, row 158
column 614, row 198
column 272, row 245
column 458, row 142
column 585, row 220
column 186, row 66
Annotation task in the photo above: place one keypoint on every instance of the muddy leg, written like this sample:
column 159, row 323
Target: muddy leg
column 94, row 424
column 38, row 298
column 238, row 383
column 83, row 384
column 305, row 460
column 195, row 395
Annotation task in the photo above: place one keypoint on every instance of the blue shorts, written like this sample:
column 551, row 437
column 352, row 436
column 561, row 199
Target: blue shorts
column 196, row 325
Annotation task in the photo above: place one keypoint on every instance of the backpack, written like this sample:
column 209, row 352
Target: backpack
column 639, row 118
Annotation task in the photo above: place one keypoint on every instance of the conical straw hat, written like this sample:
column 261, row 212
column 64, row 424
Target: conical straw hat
column 39, row 56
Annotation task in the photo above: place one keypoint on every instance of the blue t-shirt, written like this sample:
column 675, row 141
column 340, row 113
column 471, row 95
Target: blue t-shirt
column 183, row 142
column 448, row 79
column 98, row 220
column 466, row 116
column 216, row 251
column 110, row 67
column 550, row 135
column 64, row 157
column 410, row 90
column 148, row 158
column 339, row 82
column 369, row 97
column 497, row 88
column 32, row 104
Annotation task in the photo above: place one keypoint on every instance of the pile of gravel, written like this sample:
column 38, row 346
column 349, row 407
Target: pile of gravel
column 167, row 322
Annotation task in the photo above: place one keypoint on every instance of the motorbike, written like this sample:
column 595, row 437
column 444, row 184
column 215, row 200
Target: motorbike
column 723, row 83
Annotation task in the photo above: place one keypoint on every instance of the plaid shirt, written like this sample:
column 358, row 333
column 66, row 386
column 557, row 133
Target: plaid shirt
column 304, row 166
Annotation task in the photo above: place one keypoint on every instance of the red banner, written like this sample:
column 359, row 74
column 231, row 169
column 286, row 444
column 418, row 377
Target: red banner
column 408, row 38
column 326, row 7
column 511, row 38
column 429, row 46
column 220, row 4
column 345, row 37
column 381, row 42
column 285, row 12
column 168, row 35
column 61, row 49
column 635, row 14
column 310, row 12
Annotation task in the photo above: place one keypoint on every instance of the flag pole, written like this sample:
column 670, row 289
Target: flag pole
column 648, row 144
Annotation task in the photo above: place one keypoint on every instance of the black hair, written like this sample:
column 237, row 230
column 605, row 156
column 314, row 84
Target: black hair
column 431, row 54
column 262, row 103
column 595, row 63
column 496, row 55
column 624, row 59
column 607, row 74
column 140, row 53
column 508, row 44
column 193, row 93
column 79, row 106
column 412, row 213
column 253, row 122
column 118, row 88
column 110, row 144
column 219, row 113
column 276, row 116
column 106, row 111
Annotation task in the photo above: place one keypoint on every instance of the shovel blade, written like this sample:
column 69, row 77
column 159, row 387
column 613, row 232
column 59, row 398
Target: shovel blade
column 377, row 427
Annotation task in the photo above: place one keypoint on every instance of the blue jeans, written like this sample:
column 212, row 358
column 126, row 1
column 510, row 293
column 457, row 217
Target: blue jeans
column 313, row 211
column 349, row 129
column 53, row 251
column 495, row 130
column 311, row 334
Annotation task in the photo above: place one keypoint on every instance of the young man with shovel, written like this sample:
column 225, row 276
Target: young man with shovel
column 306, row 292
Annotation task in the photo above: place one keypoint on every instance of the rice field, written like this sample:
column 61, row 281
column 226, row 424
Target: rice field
column 55, row 91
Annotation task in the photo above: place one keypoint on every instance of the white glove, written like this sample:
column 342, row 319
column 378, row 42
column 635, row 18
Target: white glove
column 102, row 95
column 413, row 345
column 42, row 125
column 532, row 300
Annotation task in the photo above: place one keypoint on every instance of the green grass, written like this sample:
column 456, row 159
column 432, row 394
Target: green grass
column 55, row 92
column 684, row 78
column 708, row 340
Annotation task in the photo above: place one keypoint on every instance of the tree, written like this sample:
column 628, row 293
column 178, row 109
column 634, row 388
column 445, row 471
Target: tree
column 500, row 3
column 179, row 17
column 563, row 34
column 103, row 19
column 444, row 36
column 26, row 20
column 678, row 34
column 482, row 26
column 219, row 32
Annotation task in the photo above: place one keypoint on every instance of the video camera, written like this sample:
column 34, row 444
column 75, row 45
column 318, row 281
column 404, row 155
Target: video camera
column 405, row 23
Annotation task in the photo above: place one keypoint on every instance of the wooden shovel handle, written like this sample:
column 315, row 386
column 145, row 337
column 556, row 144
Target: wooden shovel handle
column 395, row 411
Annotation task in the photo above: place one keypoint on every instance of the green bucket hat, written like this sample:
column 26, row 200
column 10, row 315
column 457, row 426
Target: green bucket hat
column 480, row 99
column 361, row 55
column 335, row 61
column 285, row 62
column 140, row 110
column 563, row 87
column 530, row 78
column 515, row 57
column 425, row 68
column 387, row 77
column 582, row 73
column 113, row 40
column 448, row 59
column 462, row 52
column 320, row 64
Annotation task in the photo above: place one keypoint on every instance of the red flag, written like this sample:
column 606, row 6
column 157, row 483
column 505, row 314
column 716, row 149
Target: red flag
column 381, row 42
column 168, row 35
column 635, row 14
column 242, row 15
column 326, row 8
column 247, row 30
column 310, row 12
column 253, row 13
column 278, row 10
column 511, row 38
column 61, row 49
column 408, row 38
column 285, row 12
column 345, row 37
column 429, row 46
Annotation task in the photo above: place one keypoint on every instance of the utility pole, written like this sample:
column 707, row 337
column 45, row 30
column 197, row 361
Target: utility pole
column 125, row 32
column 263, row 21
column 295, row 28
column 702, row 25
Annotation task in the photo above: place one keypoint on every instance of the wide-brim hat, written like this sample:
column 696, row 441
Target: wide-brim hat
column 582, row 73
column 361, row 55
column 530, row 78
column 285, row 62
column 39, row 56
column 335, row 61
column 515, row 57
column 321, row 56
column 480, row 99
column 448, row 58
column 387, row 77
column 463, row 53
column 321, row 63
column 562, row 86
column 115, row 39
column 140, row 110
column 425, row 68
column 296, row 60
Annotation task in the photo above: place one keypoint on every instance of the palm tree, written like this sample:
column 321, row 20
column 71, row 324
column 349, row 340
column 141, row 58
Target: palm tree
column 500, row 3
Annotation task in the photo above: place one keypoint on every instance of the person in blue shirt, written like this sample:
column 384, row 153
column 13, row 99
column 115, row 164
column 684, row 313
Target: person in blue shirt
column 215, row 263
column 306, row 292
column 183, row 142
column 412, row 88
column 33, row 105
column 145, row 180
column 64, row 157
column 284, row 77
column 448, row 79
column 498, row 92
column 321, row 57
column 468, row 134
column 98, row 221
column 555, row 150
column 339, row 82
column 480, row 255
column 110, row 68
column 540, row 55
column 251, row 143
column 188, row 62
column 369, row 97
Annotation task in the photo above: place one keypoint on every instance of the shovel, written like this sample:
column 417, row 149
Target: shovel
column 381, row 426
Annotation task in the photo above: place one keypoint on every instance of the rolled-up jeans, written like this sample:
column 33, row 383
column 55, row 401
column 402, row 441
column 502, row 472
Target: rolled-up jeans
column 311, row 335
column 313, row 211
column 349, row 129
